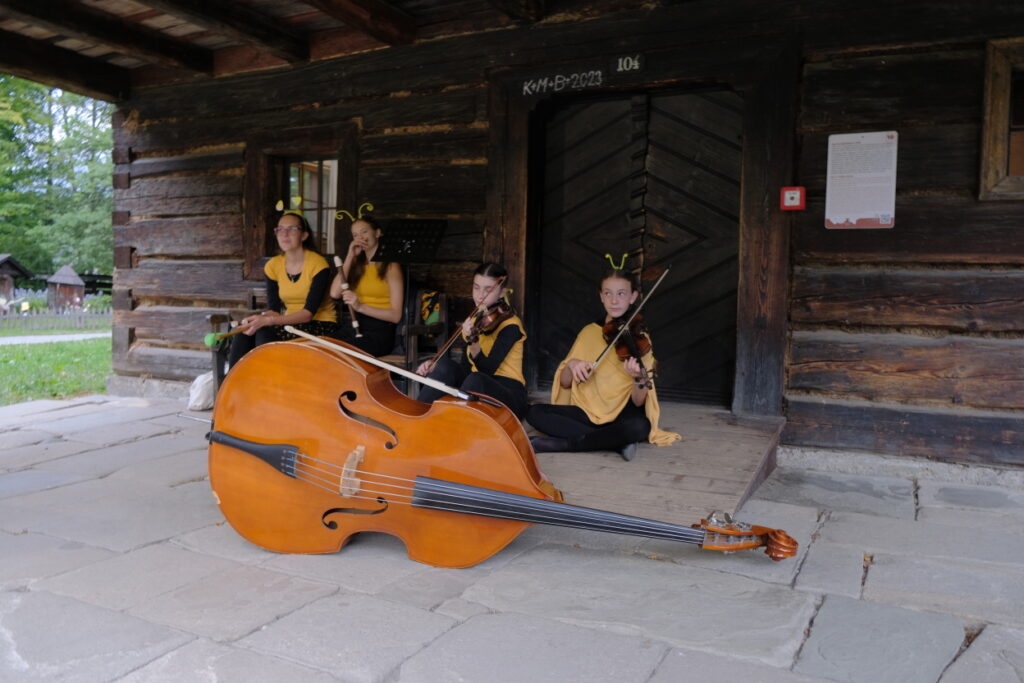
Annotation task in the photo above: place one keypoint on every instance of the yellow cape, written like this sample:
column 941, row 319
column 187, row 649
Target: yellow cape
column 603, row 396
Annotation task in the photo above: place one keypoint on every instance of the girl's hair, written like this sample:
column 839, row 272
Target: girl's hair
column 627, row 275
column 310, row 241
column 493, row 270
column 360, row 262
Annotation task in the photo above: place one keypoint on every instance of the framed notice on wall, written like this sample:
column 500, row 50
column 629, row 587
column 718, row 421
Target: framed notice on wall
column 861, row 189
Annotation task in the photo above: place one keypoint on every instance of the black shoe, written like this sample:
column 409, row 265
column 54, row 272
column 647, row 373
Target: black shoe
column 628, row 452
column 548, row 444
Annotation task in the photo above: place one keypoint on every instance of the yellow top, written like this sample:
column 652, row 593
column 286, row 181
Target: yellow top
column 373, row 290
column 512, row 364
column 603, row 396
column 293, row 294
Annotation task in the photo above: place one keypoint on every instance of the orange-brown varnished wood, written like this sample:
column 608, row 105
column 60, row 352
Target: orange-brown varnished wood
column 327, row 405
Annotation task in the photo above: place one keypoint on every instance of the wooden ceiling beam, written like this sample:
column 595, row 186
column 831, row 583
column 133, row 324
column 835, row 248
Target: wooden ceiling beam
column 376, row 18
column 238, row 21
column 520, row 10
column 48, row 64
column 75, row 20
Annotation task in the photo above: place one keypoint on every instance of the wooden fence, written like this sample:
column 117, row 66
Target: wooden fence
column 48, row 320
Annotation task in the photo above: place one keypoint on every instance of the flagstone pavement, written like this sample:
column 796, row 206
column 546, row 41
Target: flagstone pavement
column 116, row 565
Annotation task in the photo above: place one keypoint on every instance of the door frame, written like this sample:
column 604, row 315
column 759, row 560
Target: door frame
column 766, row 73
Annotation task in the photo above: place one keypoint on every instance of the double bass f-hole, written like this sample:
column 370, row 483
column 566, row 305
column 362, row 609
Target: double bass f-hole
column 331, row 524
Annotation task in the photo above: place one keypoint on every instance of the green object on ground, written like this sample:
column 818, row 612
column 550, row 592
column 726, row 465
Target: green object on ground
column 54, row 370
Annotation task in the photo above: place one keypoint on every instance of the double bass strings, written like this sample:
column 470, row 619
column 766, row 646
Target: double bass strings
column 402, row 494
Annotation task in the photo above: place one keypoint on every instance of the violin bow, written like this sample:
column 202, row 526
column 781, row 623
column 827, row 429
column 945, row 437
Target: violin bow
column 344, row 287
column 440, row 386
column 625, row 326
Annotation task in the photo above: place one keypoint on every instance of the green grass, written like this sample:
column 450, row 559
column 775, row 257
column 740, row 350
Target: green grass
column 53, row 370
column 40, row 333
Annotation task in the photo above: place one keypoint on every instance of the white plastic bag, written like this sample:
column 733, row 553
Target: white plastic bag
column 200, row 394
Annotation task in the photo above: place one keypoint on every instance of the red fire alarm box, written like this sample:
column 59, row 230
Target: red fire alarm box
column 793, row 199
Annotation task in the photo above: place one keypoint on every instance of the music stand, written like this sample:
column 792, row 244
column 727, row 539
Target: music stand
column 410, row 240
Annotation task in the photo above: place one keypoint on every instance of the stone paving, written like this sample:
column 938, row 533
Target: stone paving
column 116, row 565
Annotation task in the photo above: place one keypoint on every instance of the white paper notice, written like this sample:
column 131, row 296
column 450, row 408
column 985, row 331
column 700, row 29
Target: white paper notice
column 861, row 189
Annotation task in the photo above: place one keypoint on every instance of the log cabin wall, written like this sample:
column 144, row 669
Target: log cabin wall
column 907, row 341
column 904, row 341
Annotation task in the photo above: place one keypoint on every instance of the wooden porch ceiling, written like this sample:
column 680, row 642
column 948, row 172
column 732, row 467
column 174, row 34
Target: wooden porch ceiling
column 105, row 48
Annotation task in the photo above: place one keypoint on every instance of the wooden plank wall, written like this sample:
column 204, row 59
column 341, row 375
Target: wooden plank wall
column 907, row 341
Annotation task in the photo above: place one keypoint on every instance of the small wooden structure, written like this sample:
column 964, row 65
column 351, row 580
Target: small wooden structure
column 64, row 290
column 551, row 132
column 10, row 269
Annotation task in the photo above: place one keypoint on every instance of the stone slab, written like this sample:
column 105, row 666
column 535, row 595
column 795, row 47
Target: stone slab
column 41, row 452
column 973, row 591
column 53, row 413
column 989, row 499
column 101, row 461
column 125, row 523
column 169, row 470
column 369, row 562
column 684, row 606
column 28, row 481
column 220, row 540
column 47, row 637
column 130, row 579
column 970, row 518
column 511, row 648
column 875, row 495
column 28, row 557
column 227, row 605
column 125, row 432
column 995, row 656
column 358, row 638
column 875, row 534
column 686, row 665
column 204, row 660
column 14, row 438
column 832, row 569
column 110, row 415
column 861, row 642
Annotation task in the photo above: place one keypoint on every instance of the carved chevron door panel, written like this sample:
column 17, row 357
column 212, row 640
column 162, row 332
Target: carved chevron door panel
column 655, row 175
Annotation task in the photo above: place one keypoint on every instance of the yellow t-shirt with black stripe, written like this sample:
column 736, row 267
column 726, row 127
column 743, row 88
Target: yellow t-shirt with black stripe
column 512, row 364
column 293, row 294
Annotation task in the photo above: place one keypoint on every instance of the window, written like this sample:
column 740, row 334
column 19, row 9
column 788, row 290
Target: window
column 313, row 169
column 313, row 190
column 1002, row 149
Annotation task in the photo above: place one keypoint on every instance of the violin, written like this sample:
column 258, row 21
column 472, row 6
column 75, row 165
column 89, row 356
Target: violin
column 631, row 341
column 478, row 313
column 486, row 321
column 313, row 443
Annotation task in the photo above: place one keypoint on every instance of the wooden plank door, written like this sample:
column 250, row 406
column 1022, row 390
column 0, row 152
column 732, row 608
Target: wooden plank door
column 655, row 176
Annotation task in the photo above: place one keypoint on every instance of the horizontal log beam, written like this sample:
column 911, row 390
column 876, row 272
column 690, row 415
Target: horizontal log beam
column 54, row 66
column 238, row 21
column 75, row 20
column 956, row 371
column 520, row 10
column 953, row 435
column 963, row 300
column 383, row 21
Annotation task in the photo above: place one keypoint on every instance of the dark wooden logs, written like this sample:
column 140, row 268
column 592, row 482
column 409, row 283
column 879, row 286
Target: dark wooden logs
column 984, row 437
column 955, row 370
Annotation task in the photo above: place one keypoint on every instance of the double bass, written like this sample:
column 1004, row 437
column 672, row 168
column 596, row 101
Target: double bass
column 312, row 443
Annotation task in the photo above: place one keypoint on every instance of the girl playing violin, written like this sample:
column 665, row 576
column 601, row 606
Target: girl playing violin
column 297, row 281
column 493, row 361
column 374, row 294
column 601, row 406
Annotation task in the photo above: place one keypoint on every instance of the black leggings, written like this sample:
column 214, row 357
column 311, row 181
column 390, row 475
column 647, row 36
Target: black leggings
column 505, row 389
column 572, row 424
column 378, row 335
column 242, row 344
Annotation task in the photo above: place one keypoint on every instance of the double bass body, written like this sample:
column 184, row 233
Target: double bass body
column 353, row 447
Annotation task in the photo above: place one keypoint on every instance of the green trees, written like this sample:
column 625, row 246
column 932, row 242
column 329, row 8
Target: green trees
column 55, row 178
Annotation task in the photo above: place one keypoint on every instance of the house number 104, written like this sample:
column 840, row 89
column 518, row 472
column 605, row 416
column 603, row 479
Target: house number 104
column 628, row 64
